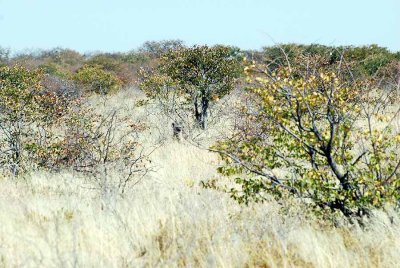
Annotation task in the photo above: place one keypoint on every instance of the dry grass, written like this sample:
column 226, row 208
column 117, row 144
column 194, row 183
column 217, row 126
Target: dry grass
column 168, row 220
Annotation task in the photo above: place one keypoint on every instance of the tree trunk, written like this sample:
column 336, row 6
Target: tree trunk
column 204, row 112
column 201, row 111
column 197, row 113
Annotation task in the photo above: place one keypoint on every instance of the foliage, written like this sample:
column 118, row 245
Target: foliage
column 135, row 57
column 94, row 143
column 50, row 68
column 118, row 64
column 63, row 88
column 57, row 61
column 310, row 129
column 52, row 129
column 194, row 77
column 107, row 61
column 62, row 57
column 4, row 55
column 97, row 80
column 26, row 113
column 55, row 70
column 155, row 49
column 282, row 55
column 366, row 60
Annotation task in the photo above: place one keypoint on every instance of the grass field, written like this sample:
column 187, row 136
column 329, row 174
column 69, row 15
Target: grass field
column 169, row 220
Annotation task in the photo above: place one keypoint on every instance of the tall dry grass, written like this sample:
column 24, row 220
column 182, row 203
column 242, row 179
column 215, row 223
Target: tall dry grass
column 169, row 220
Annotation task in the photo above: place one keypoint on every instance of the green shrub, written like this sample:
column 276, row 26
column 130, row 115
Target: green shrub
column 365, row 60
column 97, row 80
column 198, row 76
column 107, row 62
column 54, row 70
column 330, row 140
column 46, row 129
column 117, row 64
column 61, row 57
column 27, row 112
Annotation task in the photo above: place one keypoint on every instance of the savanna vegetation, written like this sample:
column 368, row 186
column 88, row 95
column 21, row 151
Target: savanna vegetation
column 287, row 156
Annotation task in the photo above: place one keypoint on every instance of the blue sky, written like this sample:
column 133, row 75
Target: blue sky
column 122, row 25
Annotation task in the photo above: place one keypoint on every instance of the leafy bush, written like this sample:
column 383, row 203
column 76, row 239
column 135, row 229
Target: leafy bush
column 95, row 144
column 97, row 80
column 61, row 57
column 116, row 63
column 107, row 61
column 366, row 60
column 329, row 138
column 373, row 63
column 55, row 70
column 195, row 76
column 27, row 112
column 54, row 129
column 282, row 55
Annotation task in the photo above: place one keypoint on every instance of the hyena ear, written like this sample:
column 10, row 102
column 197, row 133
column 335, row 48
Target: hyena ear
column 173, row 124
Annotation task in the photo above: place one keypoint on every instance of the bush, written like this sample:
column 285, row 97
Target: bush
column 117, row 64
column 97, row 80
column 61, row 57
column 366, row 60
column 27, row 112
column 329, row 138
column 194, row 77
column 53, row 129
column 95, row 144
column 107, row 62
column 282, row 55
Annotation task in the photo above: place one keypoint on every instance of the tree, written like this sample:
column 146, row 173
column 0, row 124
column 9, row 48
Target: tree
column 197, row 75
column 330, row 139
column 156, row 49
column 4, row 55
